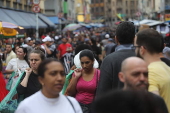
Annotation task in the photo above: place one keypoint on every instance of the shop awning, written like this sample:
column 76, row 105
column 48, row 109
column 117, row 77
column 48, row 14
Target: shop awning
column 5, row 18
column 46, row 20
column 41, row 24
column 16, row 17
column 54, row 19
column 23, row 19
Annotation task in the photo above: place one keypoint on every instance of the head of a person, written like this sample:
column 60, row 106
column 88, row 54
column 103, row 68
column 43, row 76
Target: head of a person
column 16, row 40
column 82, row 47
column 21, row 40
column 134, row 74
column 52, row 77
column 10, row 41
column 37, row 43
column 87, row 60
column 16, row 48
column 29, row 41
column 125, row 33
column 35, row 58
column 110, row 40
column 64, row 40
column 47, row 40
column 147, row 41
column 107, row 36
column 8, row 48
column 22, row 53
column 126, row 101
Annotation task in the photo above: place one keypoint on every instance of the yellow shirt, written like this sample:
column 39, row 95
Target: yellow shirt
column 159, row 80
column 10, row 56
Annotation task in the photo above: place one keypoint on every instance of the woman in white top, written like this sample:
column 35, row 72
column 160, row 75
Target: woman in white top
column 49, row 99
column 18, row 63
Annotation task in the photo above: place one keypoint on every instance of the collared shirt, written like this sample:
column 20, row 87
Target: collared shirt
column 124, row 47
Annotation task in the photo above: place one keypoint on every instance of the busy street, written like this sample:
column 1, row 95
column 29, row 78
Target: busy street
column 84, row 56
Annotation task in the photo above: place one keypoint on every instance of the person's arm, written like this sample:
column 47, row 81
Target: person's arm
column 9, row 69
column 21, row 89
column 25, row 80
column 47, row 50
column 71, row 89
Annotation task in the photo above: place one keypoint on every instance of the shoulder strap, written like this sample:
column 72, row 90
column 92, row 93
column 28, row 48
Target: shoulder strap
column 71, row 103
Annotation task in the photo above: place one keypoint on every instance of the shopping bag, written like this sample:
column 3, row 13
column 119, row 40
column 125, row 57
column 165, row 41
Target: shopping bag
column 67, row 81
column 13, row 79
column 9, row 83
column 10, row 103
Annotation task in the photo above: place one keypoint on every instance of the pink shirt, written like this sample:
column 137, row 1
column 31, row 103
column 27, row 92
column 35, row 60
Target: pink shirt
column 86, row 89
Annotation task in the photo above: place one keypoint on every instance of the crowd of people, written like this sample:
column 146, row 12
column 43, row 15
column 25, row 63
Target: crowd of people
column 112, row 70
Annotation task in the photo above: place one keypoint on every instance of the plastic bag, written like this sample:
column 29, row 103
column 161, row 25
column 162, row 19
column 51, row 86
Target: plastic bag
column 13, row 79
column 10, row 103
column 67, row 81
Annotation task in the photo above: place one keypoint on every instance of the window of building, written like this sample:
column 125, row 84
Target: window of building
column 97, row 9
column 109, row 1
column 132, row 3
column 126, row 3
column 102, row 8
column 20, row 6
column 8, row 4
column 92, row 1
column 109, row 10
column 126, row 11
column 101, row 1
column 1, row 2
column 25, row 7
column 29, row 8
column 132, row 11
column 15, row 5
column 119, row 10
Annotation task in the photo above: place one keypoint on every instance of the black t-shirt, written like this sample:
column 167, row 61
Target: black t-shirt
column 33, row 86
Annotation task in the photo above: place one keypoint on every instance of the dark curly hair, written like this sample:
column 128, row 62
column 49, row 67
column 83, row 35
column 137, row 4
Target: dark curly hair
column 125, row 33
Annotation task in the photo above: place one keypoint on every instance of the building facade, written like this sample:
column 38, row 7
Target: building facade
column 64, row 8
column 97, row 10
column 120, row 10
column 53, row 7
column 153, row 9
column 25, row 5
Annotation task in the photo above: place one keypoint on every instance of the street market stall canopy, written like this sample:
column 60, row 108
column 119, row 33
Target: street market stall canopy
column 147, row 22
column 24, row 19
column 9, row 30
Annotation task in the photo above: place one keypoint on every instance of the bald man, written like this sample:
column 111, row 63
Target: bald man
column 134, row 74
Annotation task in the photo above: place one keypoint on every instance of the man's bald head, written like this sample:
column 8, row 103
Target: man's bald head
column 134, row 73
column 130, row 61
